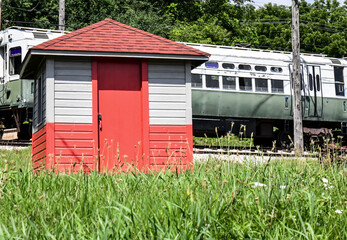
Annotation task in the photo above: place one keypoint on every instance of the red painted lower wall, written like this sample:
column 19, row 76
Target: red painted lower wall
column 39, row 149
column 74, row 147
column 170, row 146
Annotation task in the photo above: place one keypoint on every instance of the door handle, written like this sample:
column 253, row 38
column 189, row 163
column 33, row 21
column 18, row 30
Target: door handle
column 100, row 121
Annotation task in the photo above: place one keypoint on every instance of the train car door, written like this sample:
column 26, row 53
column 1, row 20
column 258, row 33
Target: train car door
column 120, row 115
column 314, row 88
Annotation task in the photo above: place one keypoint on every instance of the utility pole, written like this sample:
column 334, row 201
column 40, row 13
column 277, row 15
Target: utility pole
column 61, row 15
column 298, row 128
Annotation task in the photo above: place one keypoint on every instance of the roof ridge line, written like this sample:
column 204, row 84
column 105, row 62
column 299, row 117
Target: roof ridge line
column 73, row 34
column 152, row 35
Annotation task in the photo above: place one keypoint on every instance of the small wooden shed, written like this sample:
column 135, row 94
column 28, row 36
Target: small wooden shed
column 110, row 96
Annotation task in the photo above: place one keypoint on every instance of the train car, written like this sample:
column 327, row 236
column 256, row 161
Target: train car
column 16, row 95
column 249, row 91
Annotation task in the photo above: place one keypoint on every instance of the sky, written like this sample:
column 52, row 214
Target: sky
column 260, row 3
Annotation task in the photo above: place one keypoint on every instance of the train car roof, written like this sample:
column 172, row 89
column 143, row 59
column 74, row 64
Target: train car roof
column 241, row 52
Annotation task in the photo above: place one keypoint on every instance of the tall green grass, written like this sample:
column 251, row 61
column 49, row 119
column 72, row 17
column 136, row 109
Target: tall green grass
column 220, row 200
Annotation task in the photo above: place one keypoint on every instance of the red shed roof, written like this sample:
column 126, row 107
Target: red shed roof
column 112, row 36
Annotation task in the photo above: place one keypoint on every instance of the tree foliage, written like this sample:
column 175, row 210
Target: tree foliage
column 323, row 23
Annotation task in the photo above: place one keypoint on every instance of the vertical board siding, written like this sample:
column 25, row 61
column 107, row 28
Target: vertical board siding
column 39, row 149
column 74, row 146
column 73, row 91
column 43, row 102
column 170, row 145
column 167, row 93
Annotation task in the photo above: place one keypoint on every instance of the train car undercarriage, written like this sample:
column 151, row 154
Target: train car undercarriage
column 265, row 131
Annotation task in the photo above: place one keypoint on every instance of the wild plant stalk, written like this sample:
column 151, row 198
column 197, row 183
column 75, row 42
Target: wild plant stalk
column 283, row 199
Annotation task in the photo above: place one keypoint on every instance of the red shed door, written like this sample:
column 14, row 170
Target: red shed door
column 120, row 116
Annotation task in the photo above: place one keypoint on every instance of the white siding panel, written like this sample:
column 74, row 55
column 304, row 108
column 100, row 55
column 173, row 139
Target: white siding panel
column 167, row 121
column 171, row 75
column 72, row 72
column 167, row 93
column 73, row 103
column 167, row 105
column 167, row 89
column 73, row 91
column 73, row 119
column 170, row 67
column 165, row 113
column 73, row 95
column 80, row 64
column 169, row 82
column 73, row 87
column 67, row 79
column 167, row 98
column 72, row 111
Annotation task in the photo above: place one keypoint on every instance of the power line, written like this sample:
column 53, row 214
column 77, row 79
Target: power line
column 37, row 23
column 22, row 9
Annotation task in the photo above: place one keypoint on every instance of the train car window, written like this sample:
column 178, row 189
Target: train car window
column 212, row 81
column 310, row 82
column 244, row 67
column 32, row 88
column 260, row 68
column 229, row 83
column 211, row 64
column 196, row 81
column 15, row 60
column 277, row 86
column 318, row 82
column 228, row 66
column 261, row 85
column 339, row 84
column 40, row 35
column 276, row 69
column 245, row 84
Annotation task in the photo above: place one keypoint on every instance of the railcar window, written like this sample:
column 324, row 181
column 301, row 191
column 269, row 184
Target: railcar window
column 310, row 81
column 212, row 81
column 277, row 86
column 15, row 60
column 261, row 85
column 229, row 83
column 228, row 66
column 260, row 68
column 318, row 82
column 276, row 69
column 196, row 80
column 339, row 84
column 244, row 67
column 245, row 84
column 211, row 64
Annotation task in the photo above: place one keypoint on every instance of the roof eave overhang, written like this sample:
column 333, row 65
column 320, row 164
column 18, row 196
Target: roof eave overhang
column 115, row 54
column 196, row 60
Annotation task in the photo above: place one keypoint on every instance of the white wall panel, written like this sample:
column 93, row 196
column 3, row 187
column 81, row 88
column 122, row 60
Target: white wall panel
column 73, row 90
column 168, row 93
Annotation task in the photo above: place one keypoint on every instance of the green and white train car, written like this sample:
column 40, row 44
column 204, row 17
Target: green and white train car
column 16, row 95
column 250, row 90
